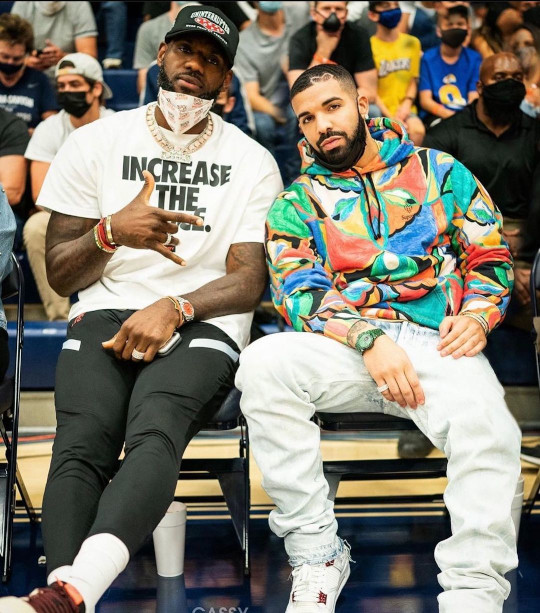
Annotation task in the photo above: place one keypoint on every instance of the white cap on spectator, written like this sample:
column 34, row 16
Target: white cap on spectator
column 85, row 66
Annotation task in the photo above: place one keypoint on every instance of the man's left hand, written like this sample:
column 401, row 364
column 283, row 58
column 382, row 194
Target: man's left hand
column 403, row 111
column 461, row 336
column 145, row 331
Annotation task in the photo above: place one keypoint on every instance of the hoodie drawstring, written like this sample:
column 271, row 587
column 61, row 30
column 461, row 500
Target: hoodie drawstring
column 379, row 206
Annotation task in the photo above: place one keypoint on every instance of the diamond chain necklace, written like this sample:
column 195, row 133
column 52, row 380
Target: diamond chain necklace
column 170, row 151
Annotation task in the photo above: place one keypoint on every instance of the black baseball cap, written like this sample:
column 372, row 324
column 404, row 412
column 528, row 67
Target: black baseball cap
column 207, row 20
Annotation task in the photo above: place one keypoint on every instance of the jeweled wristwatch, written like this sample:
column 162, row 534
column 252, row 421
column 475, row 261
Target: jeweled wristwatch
column 365, row 340
column 187, row 309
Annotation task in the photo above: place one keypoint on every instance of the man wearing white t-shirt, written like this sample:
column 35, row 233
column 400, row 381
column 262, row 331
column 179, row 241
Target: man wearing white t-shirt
column 112, row 242
column 81, row 92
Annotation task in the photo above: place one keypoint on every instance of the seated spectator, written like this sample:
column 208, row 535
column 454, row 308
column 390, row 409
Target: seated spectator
column 7, row 234
column 448, row 73
column 397, row 58
column 59, row 28
column 149, row 36
column 525, row 44
column 23, row 91
column 391, row 312
column 421, row 21
column 229, row 105
column 13, row 141
column 81, row 93
column 331, row 39
column 500, row 145
column 501, row 20
column 261, row 63
column 112, row 20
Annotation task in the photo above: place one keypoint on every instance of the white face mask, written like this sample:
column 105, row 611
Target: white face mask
column 50, row 8
column 182, row 111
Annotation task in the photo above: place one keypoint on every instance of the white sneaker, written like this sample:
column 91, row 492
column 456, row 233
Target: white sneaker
column 316, row 587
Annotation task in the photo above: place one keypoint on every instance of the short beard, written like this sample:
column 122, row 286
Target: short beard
column 165, row 83
column 346, row 156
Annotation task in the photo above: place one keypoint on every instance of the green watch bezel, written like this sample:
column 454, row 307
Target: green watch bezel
column 366, row 340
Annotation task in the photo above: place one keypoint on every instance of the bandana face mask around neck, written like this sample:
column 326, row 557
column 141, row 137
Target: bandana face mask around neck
column 182, row 111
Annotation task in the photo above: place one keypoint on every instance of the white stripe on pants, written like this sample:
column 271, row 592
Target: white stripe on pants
column 285, row 378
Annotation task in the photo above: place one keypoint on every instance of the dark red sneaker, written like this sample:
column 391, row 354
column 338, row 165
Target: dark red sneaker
column 57, row 598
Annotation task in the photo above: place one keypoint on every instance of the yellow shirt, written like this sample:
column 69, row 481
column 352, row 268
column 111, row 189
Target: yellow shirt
column 397, row 63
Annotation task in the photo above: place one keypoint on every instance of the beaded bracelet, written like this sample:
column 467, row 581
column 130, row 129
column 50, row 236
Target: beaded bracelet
column 477, row 318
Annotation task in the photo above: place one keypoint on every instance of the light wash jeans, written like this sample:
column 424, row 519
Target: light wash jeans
column 285, row 378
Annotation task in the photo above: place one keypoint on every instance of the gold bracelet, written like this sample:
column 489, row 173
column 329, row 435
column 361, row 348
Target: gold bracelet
column 177, row 308
column 477, row 318
column 98, row 242
column 108, row 230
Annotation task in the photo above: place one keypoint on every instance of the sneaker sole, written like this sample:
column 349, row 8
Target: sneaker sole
column 10, row 604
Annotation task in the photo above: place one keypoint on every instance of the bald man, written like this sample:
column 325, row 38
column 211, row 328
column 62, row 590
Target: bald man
column 500, row 145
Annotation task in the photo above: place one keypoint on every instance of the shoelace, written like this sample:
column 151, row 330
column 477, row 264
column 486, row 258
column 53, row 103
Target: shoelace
column 308, row 582
column 53, row 599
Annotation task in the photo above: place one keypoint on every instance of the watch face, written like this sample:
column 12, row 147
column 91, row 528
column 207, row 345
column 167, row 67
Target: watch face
column 366, row 341
column 187, row 307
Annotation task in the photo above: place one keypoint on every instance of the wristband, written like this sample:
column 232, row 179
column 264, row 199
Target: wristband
column 101, row 241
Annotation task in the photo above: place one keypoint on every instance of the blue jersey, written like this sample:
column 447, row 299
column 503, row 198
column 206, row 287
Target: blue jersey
column 450, row 83
column 30, row 97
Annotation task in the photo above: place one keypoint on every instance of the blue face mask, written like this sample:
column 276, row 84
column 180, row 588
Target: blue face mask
column 270, row 7
column 390, row 19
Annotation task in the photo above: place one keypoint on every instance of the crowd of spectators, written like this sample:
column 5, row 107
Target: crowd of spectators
column 436, row 67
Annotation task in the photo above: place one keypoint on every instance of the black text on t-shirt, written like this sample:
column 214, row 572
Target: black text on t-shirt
column 177, row 184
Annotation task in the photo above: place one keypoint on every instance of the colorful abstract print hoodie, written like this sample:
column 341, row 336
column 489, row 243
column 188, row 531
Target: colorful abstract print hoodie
column 412, row 236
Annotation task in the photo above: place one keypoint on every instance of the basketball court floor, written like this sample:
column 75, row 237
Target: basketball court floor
column 392, row 546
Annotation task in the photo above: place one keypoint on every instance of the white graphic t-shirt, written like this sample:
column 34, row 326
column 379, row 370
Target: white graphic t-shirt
column 230, row 182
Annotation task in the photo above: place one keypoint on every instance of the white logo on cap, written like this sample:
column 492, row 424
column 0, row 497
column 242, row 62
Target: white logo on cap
column 210, row 21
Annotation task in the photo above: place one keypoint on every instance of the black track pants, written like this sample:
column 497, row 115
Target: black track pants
column 102, row 402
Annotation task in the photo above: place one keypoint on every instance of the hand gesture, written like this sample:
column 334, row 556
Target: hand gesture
column 142, row 226
column 327, row 41
column 461, row 336
column 388, row 364
column 51, row 55
column 145, row 331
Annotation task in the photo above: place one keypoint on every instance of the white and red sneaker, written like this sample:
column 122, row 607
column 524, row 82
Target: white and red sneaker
column 316, row 587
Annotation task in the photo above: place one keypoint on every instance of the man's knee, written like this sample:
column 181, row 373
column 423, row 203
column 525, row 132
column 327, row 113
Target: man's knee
column 35, row 229
column 86, row 440
column 264, row 359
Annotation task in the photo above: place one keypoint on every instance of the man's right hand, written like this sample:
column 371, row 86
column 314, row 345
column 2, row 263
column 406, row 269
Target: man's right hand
column 142, row 226
column 327, row 42
column 389, row 364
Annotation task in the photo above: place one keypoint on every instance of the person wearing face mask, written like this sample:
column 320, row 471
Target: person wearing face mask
column 448, row 73
column 262, row 65
column 59, row 28
column 81, row 92
column 388, row 262
column 500, row 144
column 132, row 195
column 397, row 58
column 525, row 43
column 23, row 91
column 331, row 39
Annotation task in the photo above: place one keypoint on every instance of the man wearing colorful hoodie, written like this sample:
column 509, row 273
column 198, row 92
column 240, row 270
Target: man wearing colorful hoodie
column 388, row 261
